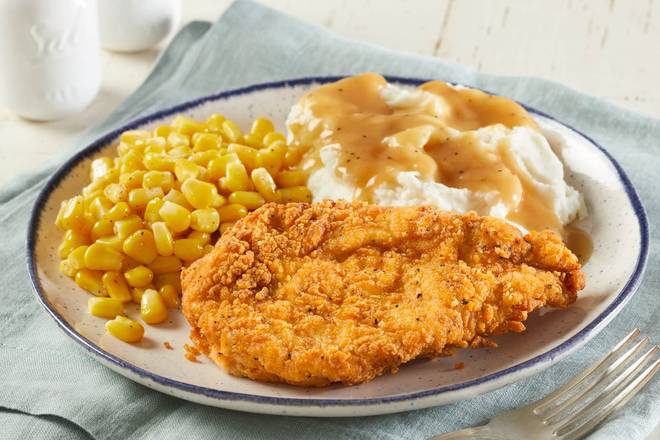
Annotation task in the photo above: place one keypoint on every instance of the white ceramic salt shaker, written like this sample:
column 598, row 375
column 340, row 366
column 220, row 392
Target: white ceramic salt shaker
column 49, row 57
column 134, row 25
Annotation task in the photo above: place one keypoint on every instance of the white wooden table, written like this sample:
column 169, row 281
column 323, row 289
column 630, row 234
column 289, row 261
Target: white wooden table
column 608, row 48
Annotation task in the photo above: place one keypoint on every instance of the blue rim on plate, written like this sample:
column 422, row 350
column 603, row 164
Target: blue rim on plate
column 572, row 343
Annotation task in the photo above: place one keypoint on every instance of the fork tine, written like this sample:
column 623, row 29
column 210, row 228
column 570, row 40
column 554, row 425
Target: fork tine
column 542, row 404
column 611, row 371
column 619, row 396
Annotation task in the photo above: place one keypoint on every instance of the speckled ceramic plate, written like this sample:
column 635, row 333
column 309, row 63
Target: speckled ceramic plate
column 616, row 222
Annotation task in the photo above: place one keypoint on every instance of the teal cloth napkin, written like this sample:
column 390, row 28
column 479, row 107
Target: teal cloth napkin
column 49, row 388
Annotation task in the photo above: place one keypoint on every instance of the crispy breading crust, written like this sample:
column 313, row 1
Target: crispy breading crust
column 343, row 292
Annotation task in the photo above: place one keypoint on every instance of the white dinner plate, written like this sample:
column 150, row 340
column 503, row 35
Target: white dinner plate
column 616, row 222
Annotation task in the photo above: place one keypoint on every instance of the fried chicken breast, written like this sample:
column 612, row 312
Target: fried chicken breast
column 343, row 292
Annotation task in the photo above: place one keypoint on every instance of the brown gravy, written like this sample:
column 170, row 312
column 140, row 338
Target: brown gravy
column 434, row 137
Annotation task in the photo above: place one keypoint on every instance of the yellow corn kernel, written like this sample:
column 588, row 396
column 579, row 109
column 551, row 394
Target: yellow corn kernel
column 156, row 144
column 171, row 278
column 132, row 180
column 102, row 228
column 139, row 197
column 115, row 192
column 60, row 213
column 152, row 149
column 208, row 248
column 237, row 178
column 91, row 281
column 72, row 214
column 165, row 264
column 133, row 145
column 196, row 135
column 204, row 157
column 129, row 263
column 232, row 212
column 139, row 276
column 170, row 295
column 222, row 186
column 85, row 227
column 176, row 140
column 123, row 148
column 100, row 167
column 295, row 194
column 67, row 269
column 158, row 162
column 89, row 190
column 153, row 309
column 100, row 207
column 158, row 179
column 289, row 179
column 111, row 176
column 206, row 141
column 155, row 147
column 273, row 137
column 231, row 132
column 126, row 226
column 116, row 286
column 72, row 239
column 203, row 237
column 264, row 183
column 186, row 125
column 141, row 246
column 132, row 161
column 127, row 169
column 107, row 308
column 101, row 257
column 176, row 217
column 218, row 200
column 217, row 168
column 293, row 156
column 112, row 241
column 214, row 122
column 272, row 157
column 179, row 153
column 185, row 169
column 125, row 329
column 162, row 131
column 151, row 210
column 247, row 155
column 162, row 238
column 136, row 294
column 205, row 220
column 250, row 199
column 77, row 258
column 90, row 197
column 176, row 196
column 188, row 249
column 118, row 212
column 261, row 127
column 224, row 227
column 134, row 136
column 198, row 193
column 252, row 140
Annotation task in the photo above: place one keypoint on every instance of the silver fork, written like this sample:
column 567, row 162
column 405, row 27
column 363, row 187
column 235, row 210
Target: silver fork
column 574, row 410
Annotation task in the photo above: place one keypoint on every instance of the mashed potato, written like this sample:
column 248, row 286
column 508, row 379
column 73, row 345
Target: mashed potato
column 524, row 149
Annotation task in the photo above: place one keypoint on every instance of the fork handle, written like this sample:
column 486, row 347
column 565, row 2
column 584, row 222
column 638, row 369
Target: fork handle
column 477, row 432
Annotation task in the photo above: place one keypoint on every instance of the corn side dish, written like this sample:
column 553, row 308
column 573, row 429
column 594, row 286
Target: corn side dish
column 161, row 204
